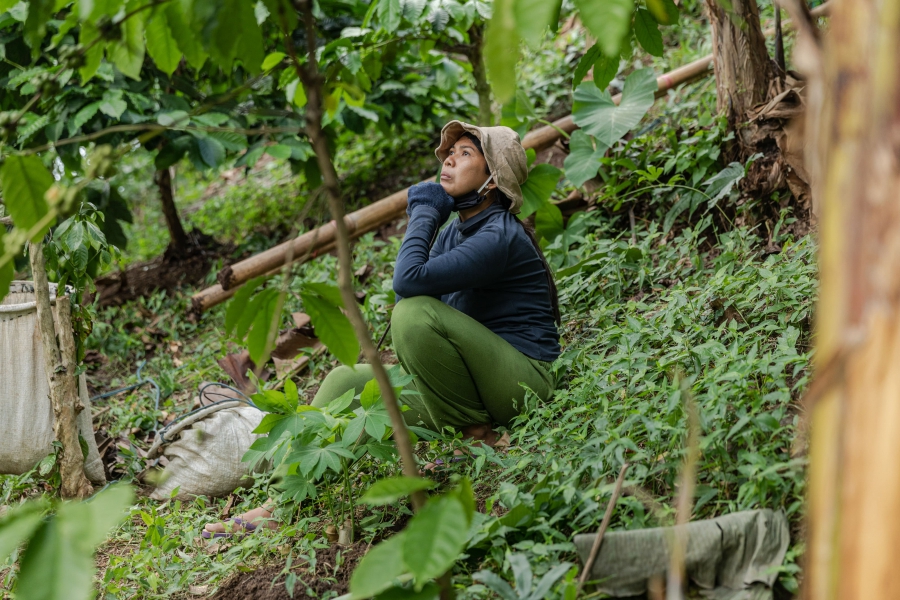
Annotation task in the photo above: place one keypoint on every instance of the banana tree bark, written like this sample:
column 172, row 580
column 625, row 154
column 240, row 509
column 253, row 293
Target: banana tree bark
column 63, row 385
column 854, row 401
column 741, row 61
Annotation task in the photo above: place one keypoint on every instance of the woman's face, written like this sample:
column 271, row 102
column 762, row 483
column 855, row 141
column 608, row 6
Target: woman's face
column 464, row 170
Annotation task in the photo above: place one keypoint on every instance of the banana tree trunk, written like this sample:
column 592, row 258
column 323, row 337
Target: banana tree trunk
column 741, row 61
column 854, row 402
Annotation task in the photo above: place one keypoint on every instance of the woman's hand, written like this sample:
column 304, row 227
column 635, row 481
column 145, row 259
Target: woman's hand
column 433, row 195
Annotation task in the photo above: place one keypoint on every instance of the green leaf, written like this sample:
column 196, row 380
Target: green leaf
column 258, row 337
column 84, row 115
column 584, row 64
column 340, row 404
column 718, row 186
column 435, row 537
column 501, row 50
column 87, row 38
column 664, row 11
column 496, row 584
column 59, row 564
column 272, row 60
column 647, row 32
column 331, row 293
column 297, row 488
column 370, row 394
column 24, row 180
column 379, row 568
column 605, row 70
column 211, row 150
column 389, row 14
column 548, row 222
column 315, row 460
column 534, row 17
column 386, row 491
column 607, row 20
column 20, row 523
column 113, row 105
column 538, row 188
column 281, row 151
column 161, row 44
column 583, row 160
column 595, row 112
column 128, row 53
column 187, row 41
column 39, row 14
column 332, row 327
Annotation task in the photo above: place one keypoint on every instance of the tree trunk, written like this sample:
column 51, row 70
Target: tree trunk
column 482, row 87
column 61, row 375
column 854, row 402
column 179, row 238
column 741, row 61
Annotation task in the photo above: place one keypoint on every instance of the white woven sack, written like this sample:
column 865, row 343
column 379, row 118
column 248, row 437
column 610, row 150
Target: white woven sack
column 26, row 415
column 205, row 460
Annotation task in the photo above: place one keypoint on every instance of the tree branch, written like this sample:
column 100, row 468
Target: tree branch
column 312, row 82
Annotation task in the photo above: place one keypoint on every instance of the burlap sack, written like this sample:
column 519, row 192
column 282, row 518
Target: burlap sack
column 26, row 415
column 205, row 459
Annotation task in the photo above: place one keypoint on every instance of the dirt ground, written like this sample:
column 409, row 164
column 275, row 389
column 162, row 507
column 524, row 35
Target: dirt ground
column 332, row 573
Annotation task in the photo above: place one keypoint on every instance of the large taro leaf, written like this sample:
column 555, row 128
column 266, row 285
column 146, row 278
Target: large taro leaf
column 583, row 160
column 595, row 112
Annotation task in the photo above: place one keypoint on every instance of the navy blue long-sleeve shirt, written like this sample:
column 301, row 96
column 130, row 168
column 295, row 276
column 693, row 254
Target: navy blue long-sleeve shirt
column 485, row 267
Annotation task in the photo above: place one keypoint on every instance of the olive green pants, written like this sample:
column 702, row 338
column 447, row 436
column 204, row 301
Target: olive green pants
column 465, row 373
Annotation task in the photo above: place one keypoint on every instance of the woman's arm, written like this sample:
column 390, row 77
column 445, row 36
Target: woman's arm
column 477, row 262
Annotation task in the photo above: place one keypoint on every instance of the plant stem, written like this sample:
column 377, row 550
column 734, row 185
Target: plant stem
column 312, row 83
column 349, row 499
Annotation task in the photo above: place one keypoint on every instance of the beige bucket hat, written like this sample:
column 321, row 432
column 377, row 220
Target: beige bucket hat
column 503, row 152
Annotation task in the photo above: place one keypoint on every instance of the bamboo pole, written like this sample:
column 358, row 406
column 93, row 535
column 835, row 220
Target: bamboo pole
column 63, row 385
column 393, row 207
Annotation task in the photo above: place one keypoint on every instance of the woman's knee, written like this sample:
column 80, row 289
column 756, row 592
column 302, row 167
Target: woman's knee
column 413, row 319
column 336, row 383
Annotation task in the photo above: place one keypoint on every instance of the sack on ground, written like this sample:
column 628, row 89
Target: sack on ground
column 204, row 459
column 26, row 414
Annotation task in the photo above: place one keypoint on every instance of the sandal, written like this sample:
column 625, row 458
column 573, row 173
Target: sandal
column 245, row 528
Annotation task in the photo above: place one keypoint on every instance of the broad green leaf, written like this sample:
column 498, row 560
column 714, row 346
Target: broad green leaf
column 339, row 404
column 664, row 11
column 173, row 118
column 85, row 114
column 496, row 584
column 250, row 48
column 258, row 337
column 534, row 17
column 435, row 537
column 370, row 394
column 379, row 568
column 281, row 151
column 389, row 14
column 386, row 491
column 128, row 53
column 39, row 14
column 583, row 160
column 19, row 523
column 605, row 70
column 113, row 105
column 272, row 60
column 595, row 112
column 161, row 44
column 548, row 222
column 329, row 292
column 542, row 589
column 297, row 488
column 585, row 63
column 316, row 460
column 5, row 5
column 538, row 188
column 211, row 150
column 607, row 20
column 58, row 563
column 332, row 327
column 501, row 50
column 24, row 180
column 94, row 54
column 647, row 32
column 522, row 573
column 431, row 591
column 245, row 319
column 187, row 41
column 718, row 186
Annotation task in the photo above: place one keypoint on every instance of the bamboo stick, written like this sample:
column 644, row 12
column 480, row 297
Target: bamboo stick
column 393, row 207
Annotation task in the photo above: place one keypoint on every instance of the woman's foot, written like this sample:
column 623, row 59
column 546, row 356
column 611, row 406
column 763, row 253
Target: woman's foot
column 482, row 434
column 245, row 523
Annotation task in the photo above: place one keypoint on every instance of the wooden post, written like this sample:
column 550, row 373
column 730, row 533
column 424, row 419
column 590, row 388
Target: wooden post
column 854, row 400
column 61, row 376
